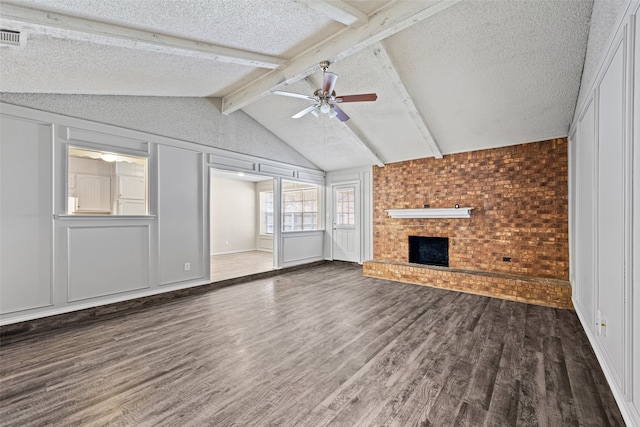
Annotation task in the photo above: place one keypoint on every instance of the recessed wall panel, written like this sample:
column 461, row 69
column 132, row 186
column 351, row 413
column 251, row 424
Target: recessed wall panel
column 635, row 314
column 611, row 206
column 584, row 214
column 107, row 260
column 180, row 215
column 25, row 215
column 300, row 247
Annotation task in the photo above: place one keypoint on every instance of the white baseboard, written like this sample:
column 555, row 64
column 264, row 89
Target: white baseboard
column 233, row 252
column 630, row 415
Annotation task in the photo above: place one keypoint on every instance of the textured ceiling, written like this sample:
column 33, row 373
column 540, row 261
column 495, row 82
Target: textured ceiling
column 490, row 74
column 53, row 65
column 450, row 76
column 272, row 27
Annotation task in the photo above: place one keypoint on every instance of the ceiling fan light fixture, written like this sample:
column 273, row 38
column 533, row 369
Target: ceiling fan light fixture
column 325, row 97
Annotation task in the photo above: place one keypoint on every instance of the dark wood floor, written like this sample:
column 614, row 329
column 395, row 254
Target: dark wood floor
column 321, row 346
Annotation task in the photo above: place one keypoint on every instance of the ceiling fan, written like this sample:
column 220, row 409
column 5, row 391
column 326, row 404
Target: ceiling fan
column 325, row 99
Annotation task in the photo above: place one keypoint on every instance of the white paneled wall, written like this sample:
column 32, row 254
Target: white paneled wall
column 605, row 219
column 94, row 251
column 584, row 212
column 635, row 262
column 181, row 215
column 611, row 187
column 301, row 247
column 52, row 262
column 25, row 215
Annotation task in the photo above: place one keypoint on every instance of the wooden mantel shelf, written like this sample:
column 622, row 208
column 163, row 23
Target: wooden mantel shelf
column 430, row 213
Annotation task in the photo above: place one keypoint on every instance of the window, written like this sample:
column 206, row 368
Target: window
column 299, row 206
column 266, row 212
column 106, row 183
column 346, row 206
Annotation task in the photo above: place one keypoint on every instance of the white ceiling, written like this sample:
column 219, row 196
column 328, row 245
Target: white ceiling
column 451, row 76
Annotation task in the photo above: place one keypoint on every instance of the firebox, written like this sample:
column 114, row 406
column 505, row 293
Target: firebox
column 429, row 250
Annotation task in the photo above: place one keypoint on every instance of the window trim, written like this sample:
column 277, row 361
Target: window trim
column 118, row 150
column 319, row 205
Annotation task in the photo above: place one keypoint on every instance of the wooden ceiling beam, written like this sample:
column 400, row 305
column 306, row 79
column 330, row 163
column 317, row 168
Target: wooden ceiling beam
column 69, row 27
column 394, row 77
column 382, row 24
column 340, row 11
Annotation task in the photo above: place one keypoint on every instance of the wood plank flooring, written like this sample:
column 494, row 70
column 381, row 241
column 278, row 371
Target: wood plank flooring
column 240, row 264
column 312, row 347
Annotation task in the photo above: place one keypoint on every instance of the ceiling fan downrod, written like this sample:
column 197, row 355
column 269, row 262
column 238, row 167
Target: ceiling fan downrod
column 324, row 65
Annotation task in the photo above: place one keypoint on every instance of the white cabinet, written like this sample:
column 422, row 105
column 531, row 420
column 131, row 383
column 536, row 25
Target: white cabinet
column 131, row 207
column 131, row 195
column 131, row 191
column 93, row 194
column 131, row 187
column 130, row 168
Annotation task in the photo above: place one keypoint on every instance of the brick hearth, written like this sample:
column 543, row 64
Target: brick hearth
column 534, row 290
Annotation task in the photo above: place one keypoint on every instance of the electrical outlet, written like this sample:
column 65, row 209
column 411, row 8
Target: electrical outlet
column 187, row 266
column 603, row 326
column 598, row 323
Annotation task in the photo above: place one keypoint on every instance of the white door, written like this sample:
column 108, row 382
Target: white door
column 346, row 222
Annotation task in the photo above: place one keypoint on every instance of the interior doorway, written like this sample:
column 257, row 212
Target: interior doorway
column 240, row 224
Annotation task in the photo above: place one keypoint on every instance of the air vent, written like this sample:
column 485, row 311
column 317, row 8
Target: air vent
column 9, row 38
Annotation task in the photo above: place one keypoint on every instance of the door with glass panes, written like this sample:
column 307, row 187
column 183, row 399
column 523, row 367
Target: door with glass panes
column 346, row 222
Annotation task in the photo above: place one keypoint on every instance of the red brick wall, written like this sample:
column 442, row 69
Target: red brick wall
column 520, row 200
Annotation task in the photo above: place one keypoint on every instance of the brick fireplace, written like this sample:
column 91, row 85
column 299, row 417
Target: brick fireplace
column 514, row 245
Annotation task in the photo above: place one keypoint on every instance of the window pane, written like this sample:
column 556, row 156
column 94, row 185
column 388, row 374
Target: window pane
column 266, row 212
column 345, row 206
column 299, row 206
column 270, row 223
column 106, row 183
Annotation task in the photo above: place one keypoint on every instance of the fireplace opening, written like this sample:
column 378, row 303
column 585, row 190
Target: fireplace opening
column 429, row 250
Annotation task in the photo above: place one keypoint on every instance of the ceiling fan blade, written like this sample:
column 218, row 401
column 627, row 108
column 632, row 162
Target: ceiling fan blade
column 341, row 115
column 357, row 98
column 329, row 82
column 293, row 95
column 305, row 111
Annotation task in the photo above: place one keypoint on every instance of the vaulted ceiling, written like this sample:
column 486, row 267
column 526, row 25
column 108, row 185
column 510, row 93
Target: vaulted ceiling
column 451, row 76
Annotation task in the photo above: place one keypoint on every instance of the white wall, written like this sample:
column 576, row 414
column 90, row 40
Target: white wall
column 25, row 215
column 181, row 215
column 364, row 177
column 197, row 120
column 605, row 188
column 52, row 262
column 233, row 215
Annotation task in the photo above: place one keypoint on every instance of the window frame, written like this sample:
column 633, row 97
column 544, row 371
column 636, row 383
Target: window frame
column 106, row 149
column 317, row 203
